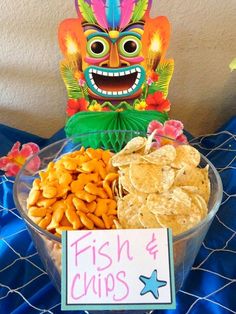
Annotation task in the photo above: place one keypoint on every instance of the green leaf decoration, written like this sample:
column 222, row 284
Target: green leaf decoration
column 232, row 65
column 109, row 105
column 139, row 10
column 107, row 127
column 86, row 11
column 85, row 91
column 124, row 105
column 165, row 71
column 73, row 89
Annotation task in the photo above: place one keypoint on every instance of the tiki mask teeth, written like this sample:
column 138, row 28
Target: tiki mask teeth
column 120, row 82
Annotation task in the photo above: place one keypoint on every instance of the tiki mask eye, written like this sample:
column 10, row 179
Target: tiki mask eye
column 130, row 46
column 98, row 47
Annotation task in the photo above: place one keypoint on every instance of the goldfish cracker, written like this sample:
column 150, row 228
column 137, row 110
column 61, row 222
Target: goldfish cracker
column 43, row 176
column 36, row 220
column 101, row 208
column 82, row 150
column 94, row 154
column 85, row 196
column 73, row 218
column 62, row 191
column 91, row 206
column 65, row 178
column 106, row 155
column 70, row 164
column 112, row 212
column 94, row 190
column 59, row 204
column 52, row 175
column 108, row 189
column 98, row 222
column 49, row 191
column 69, row 200
column 59, row 166
column 75, row 193
column 77, row 153
column 77, row 185
column 111, row 177
column 107, row 221
column 88, row 223
column 45, row 202
column 92, row 177
column 51, row 166
column 101, row 169
column 82, row 180
column 89, row 166
column 45, row 221
column 80, row 205
column 58, row 212
column 49, row 210
column 111, row 205
column 37, row 211
column 33, row 197
column 81, row 159
column 37, row 184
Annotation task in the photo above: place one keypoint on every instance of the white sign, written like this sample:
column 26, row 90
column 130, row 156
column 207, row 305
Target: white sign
column 117, row 269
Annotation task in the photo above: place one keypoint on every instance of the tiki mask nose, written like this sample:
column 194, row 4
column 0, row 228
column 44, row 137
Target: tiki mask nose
column 114, row 59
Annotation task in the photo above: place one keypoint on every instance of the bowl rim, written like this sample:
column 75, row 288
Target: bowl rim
column 176, row 238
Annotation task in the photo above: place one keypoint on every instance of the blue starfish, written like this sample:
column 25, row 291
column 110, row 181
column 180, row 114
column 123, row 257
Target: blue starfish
column 152, row 284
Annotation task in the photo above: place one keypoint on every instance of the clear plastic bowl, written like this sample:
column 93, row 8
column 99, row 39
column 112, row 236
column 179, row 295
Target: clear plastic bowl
column 186, row 245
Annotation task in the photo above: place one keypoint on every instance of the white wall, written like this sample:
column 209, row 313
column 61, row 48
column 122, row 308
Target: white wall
column 203, row 43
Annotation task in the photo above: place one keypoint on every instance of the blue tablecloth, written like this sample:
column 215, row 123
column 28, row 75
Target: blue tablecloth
column 209, row 288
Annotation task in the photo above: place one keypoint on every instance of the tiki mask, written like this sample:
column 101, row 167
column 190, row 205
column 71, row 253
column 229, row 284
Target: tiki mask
column 114, row 55
column 114, row 60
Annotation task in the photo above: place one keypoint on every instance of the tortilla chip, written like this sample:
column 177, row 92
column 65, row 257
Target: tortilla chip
column 124, row 160
column 186, row 155
column 147, row 218
column 172, row 202
column 127, row 210
column 201, row 204
column 133, row 145
column 178, row 223
column 163, row 156
column 149, row 178
column 197, row 177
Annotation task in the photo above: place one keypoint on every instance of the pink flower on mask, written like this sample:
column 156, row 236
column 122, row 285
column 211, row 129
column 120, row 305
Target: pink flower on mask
column 81, row 82
column 16, row 158
column 169, row 133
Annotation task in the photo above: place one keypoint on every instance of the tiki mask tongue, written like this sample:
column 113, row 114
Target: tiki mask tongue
column 115, row 83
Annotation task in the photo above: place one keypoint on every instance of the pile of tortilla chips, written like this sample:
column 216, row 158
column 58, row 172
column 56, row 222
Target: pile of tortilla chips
column 160, row 187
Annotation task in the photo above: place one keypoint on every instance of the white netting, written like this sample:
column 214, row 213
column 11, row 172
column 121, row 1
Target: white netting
column 226, row 147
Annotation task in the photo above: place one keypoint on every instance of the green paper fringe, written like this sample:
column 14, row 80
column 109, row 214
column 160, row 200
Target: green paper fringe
column 114, row 123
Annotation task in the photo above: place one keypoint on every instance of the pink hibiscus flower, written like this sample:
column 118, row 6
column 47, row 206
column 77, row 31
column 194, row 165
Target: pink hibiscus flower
column 16, row 158
column 169, row 133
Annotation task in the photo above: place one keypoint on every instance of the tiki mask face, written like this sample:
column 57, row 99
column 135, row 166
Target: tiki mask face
column 108, row 48
column 114, row 62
